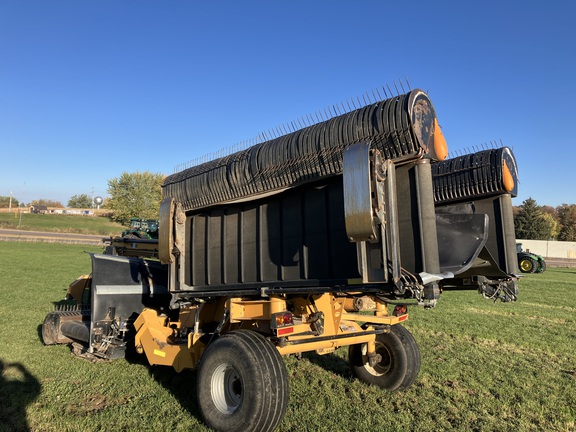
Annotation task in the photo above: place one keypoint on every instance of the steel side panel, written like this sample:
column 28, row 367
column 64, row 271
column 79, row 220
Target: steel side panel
column 128, row 285
column 298, row 235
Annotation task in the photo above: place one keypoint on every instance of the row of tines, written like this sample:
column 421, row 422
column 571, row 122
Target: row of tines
column 470, row 176
column 305, row 155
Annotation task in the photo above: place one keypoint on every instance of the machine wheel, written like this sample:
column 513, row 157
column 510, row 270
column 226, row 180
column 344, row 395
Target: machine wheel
column 242, row 383
column 541, row 266
column 400, row 361
column 527, row 265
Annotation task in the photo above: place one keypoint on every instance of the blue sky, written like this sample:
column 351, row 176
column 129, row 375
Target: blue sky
column 92, row 89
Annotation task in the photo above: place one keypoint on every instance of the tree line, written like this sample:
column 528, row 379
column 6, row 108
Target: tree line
column 81, row 201
column 535, row 222
column 131, row 195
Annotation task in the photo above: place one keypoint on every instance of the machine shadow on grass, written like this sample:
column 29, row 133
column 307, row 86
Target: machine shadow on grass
column 181, row 385
column 330, row 363
column 18, row 389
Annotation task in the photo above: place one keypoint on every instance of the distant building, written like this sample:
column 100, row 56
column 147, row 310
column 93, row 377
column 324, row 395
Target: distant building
column 39, row 209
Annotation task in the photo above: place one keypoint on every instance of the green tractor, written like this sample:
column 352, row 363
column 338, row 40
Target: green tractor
column 529, row 262
column 142, row 229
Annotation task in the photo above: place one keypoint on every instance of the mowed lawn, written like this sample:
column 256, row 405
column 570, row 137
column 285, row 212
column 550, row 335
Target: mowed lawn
column 485, row 365
column 60, row 223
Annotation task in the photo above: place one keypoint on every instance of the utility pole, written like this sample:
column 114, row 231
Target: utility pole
column 20, row 212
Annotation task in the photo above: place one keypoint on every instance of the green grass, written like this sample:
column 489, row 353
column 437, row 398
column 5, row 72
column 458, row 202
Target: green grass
column 485, row 366
column 61, row 223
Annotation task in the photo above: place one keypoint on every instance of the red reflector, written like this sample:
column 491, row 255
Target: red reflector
column 403, row 318
column 400, row 310
column 285, row 330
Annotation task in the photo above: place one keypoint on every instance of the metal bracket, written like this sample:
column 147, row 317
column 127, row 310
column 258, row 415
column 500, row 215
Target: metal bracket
column 370, row 210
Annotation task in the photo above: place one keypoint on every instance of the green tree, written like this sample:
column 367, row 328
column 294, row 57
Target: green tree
column 567, row 219
column 553, row 225
column 47, row 203
column 5, row 202
column 80, row 201
column 135, row 195
column 531, row 222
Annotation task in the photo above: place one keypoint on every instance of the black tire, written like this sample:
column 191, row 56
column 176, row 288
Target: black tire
column 242, row 383
column 50, row 328
column 400, row 362
column 527, row 265
column 412, row 355
column 541, row 266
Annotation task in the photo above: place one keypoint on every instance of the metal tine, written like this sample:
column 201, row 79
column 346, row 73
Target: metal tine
column 402, row 87
column 310, row 119
column 396, row 87
column 349, row 107
column 385, row 94
column 330, row 109
column 391, row 94
column 332, row 115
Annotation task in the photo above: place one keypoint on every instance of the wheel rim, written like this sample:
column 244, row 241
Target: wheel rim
column 226, row 389
column 526, row 265
column 384, row 365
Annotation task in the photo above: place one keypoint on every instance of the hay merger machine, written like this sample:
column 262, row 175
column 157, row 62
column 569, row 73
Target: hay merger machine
column 315, row 239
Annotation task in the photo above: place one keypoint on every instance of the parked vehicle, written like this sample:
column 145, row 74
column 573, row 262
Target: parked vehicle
column 142, row 228
column 529, row 262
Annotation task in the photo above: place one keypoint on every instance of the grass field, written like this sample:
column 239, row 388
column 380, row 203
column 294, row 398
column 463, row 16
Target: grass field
column 485, row 366
column 61, row 223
